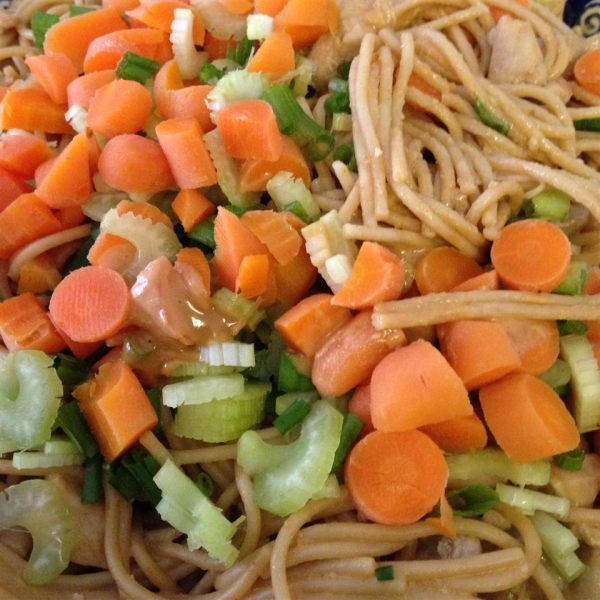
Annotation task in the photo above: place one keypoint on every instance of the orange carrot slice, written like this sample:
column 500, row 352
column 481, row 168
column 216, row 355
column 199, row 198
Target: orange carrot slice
column 11, row 187
column 307, row 20
column 112, row 251
column 192, row 207
column 498, row 13
column 488, row 280
column 460, row 434
column 23, row 154
column 253, row 276
column 81, row 90
column 275, row 57
column 54, row 72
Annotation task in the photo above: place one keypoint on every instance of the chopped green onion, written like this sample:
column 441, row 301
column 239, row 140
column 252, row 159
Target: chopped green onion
column 298, row 209
column 208, row 72
column 260, row 370
column 238, row 309
column 72, row 422
column 344, row 70
column 571, row 326
column 204, row 232
column 241, row 53
column 292, row 416
column 570, row 461
column 155, row 397
column 352, row 427
column 575, row 279
column 122, row 480
column 490, row 119
column 289, row 378
column 293, row 121
column 92, row 480
column 385, row 573
column 345, row 154
column 136, row 68
column 40, row 23
column 143, row 467
column 71, row 370
column 75, row 10
column 205, row 483
column 552, row 205
column 337, row 102
column 473, row 500
column 284, row 401
column 587, row 124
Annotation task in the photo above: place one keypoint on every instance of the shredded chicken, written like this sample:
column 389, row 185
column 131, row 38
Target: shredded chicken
column 459, row 547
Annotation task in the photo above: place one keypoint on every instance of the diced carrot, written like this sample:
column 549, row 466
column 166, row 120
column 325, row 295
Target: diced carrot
column 90, row 304
column 191, row 264
column 117, row 409
column 182, row 141
column 38, row 275
column 593, row 331
column 217, row 48
column 106, row 51
column 249, row 130
column 531, row 255
column 307, row 20
column 121, row 106
column 274, row 231
column 253, row 276
column 275, row 57
column 81, row 350
column 460, row 434
column 11, row 187
column 133, row 163
column 479, row 351
column 238, row 7
column 68, row 181
column 527, row 418
column 395, row 478
column 54, row 73
column 70, row 216
column 349, row 355
column 192, row 207
column 498, row 13
column 23, row 154
column 144, row 210
column 112, row 251
column 592, row 284
column 415, row 386
column 306, row 326
column 360, row 405
column 73, row 36
column 377, row 276
column 441, row 269
column 31, row 109
column 269, row 7
column 122, row 6
column 536, row 341
column 23, row 221
column 254, row 173
column 25, row 325
column 488, row 280
column 296, row 278
column 81, row 90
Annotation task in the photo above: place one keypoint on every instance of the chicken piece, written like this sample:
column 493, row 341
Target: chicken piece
column 579, row 487
column 459, row 547
column 507, row 66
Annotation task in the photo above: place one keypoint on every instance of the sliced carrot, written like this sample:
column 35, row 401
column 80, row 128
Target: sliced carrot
column 81, row 90
column 531, row 255
column 349, row 355
column 122, row 6
column 112, row 251
column 25, row 325
column 498, row 13
column 11, row 187
column 182, row 141
column 23, row 154
column 38, row 275
column 191, row 264
column 395, row 478
column 81, row 350
column 238, row 7
column 307, row 20
column 443, row 268
column 269, row 7
column 68, row 181
column 415, row 386
column 117, row 424
column 479, row 351
column 527, row 418
column 23, row 221
column 275, row 232
column 54, row 73
column 460, row 434
column 144, row 210
column 360, row 405
column 91, row 304
column 377, row 276
column 305, row 327
column 255, row 275
column 444, row 524
column 70, row 216
column 593, row 331
column 275, row 57
column 536, row 341
column 32, row 109
column 133, row 163
column 488, row 280
column 592, row 284
column 192, row 207
column 73, row 36
column 255, row 174
column 295, row 279
column 249, row 130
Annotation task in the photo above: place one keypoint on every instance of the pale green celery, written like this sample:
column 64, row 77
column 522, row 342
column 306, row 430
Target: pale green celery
column 284, row 190
column 330, row 489
column 30, row 394
column 234, row 307
column 492, row 465
column 286, row 477
column 38, row 506
column 224, row 419
column 99, row 203
column 578, row 353
column 236, row 85
column 259, row 26
column 152, row 240
column 305, row 72
column 187, row 509
column 558, row 375
column 58, row 451
column 203, row 388
column 188, row 59
column 194, row 369
column 528, row 501
column 228, row 176
column 228, row 354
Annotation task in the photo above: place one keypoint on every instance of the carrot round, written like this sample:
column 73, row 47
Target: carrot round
column 461, row 434
column 133, row 163
column 531, row 255
column 415, row 386
column 395, row 478
column 90, row 304
column 527, row 418
column 587, row 72
column 443, row 268
column 81, row 90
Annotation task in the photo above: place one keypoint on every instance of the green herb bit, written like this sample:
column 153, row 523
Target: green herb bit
column 92, row 480
column 204, row 232
column 344, row 70
column 571, row 460
column 345, row 153
column 490, row 119
column 40, row 24
column 384, row 573
column 473, row 500
column 136, row 68
column 122, row 480
column 143, row 467
column 338, row 102
column 298, row 209
column 293, row 415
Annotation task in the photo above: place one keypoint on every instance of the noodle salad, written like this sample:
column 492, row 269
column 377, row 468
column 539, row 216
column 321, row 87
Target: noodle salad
column 298, row 299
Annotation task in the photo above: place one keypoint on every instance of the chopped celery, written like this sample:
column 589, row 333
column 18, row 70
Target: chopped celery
column 30, row 394
column 491, row 464
column 305, row 72
column 528, row 501
column 238, row 309
column 490, row 119
column 557, row 376
column 575, row 279
column 236, row 85
column 187, row 509
column 286, row 477
column 188, row 59
column 330, row 489
column 285, row 190
column 553, row 205
column 228, row 354
column 38, row 506
column 99, row 203
column 194, row 369
column 569, row 566
column 259, row 26
column 223, row 419
column 44, row 460
column 76, row 116
column 578, row 353
column 202, row 389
